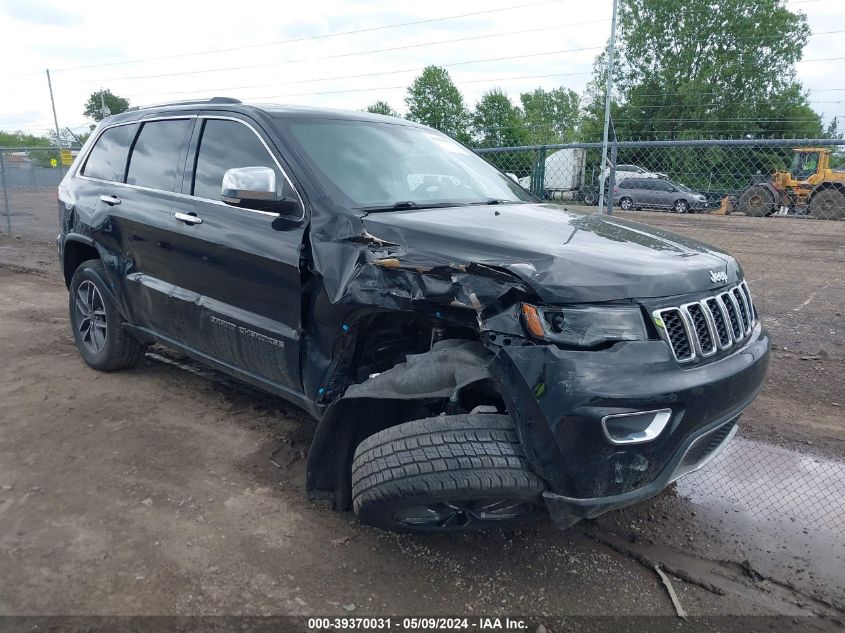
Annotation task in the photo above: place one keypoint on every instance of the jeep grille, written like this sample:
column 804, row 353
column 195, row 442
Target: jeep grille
column 701, row 328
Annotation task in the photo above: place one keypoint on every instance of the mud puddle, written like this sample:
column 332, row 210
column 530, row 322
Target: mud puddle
column 781, row 510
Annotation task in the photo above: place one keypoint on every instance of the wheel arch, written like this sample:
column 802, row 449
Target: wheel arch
column 825, row 185
column 425, row 385
column 77, row 249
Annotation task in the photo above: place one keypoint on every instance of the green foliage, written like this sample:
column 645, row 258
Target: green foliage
column 434, row 100
column 551, row 116
column 19, row 139
column 382, row 107
column 115, row 104
column 496, row 122
column 703, row 68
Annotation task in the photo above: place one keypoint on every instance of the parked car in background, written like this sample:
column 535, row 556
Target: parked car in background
column 624, row 172
column 657, row 193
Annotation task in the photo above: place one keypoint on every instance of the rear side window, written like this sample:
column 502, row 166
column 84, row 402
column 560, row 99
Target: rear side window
column 155, row 155
column 107, row 160
column 225, row 145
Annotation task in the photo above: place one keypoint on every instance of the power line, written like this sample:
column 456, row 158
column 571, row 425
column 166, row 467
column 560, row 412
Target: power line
column 406, row 47
column 342, row 55
column 468, row 81
column 316, row 37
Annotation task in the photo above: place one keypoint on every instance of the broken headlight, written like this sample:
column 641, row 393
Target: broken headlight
column 584, row 326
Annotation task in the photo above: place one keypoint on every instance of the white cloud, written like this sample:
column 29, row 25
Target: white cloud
column 39, row 35
column 40, row 12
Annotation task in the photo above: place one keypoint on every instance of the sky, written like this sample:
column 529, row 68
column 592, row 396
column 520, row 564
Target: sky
column 304, row 52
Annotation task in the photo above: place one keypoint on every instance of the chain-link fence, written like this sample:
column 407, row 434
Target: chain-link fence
column 753, row 177
column 29, row 177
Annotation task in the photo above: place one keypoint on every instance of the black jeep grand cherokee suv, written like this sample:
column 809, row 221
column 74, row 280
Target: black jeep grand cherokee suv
column 471, row 355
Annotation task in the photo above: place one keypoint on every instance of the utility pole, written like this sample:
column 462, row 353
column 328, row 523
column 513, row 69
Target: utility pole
column 608, row 88
column 56, row 122
column 103, row 108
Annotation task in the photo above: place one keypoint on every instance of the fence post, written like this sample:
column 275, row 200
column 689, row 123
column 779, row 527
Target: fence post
column 538, row 174
column 611, row 178
column 5, row 193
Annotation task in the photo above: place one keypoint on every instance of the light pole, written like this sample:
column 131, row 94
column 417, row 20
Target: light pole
column 608, row 88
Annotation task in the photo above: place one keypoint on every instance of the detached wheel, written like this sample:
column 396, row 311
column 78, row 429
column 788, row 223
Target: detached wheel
column 757, row 201
column 626, row 204
column 445, row 474
column 681, row 206
column 96, row 323
column 828, row 205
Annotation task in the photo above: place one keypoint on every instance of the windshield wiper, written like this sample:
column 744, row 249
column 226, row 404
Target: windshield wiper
column 408, row 204
column 491, row 201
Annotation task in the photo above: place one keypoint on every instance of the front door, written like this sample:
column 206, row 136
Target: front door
column 238, row 268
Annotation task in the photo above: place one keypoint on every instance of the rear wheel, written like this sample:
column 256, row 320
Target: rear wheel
column 757, row 201
column 828, row 205
column 96, row 323
column 444, row 474
column 626, row 204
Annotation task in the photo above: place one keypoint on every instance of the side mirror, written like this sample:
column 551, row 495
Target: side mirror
column 255, row 188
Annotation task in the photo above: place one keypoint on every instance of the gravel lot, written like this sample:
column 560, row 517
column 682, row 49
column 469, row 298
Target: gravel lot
column 169, row 489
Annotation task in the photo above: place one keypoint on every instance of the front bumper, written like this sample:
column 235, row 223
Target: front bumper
column 557, row 399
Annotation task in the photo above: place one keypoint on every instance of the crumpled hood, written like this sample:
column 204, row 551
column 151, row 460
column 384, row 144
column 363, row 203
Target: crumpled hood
column 563, row 256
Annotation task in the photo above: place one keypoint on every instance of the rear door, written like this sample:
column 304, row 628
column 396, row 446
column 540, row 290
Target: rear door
column 664, row 197
column 135, row 170
column 237, row 269
column 636, row 191
column 153, row 178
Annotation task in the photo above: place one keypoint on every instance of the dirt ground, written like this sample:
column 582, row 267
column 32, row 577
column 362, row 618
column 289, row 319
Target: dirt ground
column 169, row 489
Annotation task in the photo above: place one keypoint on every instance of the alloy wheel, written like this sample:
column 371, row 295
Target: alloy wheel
column 91, row 317
column 463, row 513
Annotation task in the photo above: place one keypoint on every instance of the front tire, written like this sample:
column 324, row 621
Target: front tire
column 444, row 474
column 97, row 325
column 681, row 206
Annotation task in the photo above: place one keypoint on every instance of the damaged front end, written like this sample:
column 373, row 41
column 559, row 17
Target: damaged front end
column 604, row 411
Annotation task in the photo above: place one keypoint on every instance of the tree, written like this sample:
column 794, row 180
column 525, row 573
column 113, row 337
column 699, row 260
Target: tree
column 382, row 107
column 94, row 105
column 20, row 139
column 434, row 100
column 496, row 122
column 551, row 116
column 701, row 68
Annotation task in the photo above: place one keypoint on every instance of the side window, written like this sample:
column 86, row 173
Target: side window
column 225, row 145
column 155, row 155
column 107, row 160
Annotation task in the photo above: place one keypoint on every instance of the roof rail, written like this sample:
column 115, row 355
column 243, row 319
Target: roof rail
column 211, row 101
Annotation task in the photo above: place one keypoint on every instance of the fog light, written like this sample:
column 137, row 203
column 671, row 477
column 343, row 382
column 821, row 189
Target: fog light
column 635, row 428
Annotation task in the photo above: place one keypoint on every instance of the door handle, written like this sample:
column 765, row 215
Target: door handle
column 110, row 200
column 187, row 218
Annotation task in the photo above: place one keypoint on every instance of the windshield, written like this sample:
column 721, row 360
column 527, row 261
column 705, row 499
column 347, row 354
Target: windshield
column 681, row 187
column 804, row 164
column 367, row 164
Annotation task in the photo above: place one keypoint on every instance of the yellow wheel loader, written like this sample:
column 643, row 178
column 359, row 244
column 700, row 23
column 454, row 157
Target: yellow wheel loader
column 810, row 186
